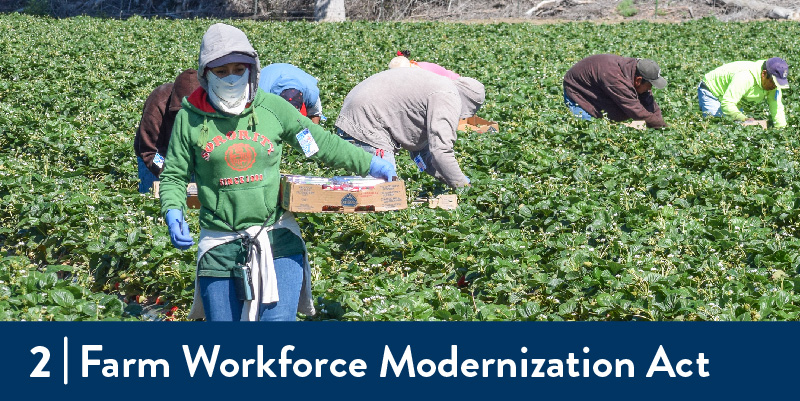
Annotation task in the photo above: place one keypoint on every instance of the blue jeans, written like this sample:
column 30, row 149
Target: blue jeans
column 222, row 305
column 709, row 104
column 387, row 155
column 575, row 109
column 146, row 177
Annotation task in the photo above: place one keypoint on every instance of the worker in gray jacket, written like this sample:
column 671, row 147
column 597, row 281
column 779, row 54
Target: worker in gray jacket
column 415, row 110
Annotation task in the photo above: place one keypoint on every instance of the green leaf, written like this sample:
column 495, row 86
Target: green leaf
column 62, row 298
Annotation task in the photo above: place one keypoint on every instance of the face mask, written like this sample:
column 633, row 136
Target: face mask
column 229, row 94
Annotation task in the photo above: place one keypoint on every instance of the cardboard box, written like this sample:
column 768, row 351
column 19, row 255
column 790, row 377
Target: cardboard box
column 192, row 201
column 477, row 124
column 444, row 201
column 312, row 198
column 638, row 124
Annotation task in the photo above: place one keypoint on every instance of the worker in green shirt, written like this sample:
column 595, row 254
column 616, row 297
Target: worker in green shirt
column 754, row 81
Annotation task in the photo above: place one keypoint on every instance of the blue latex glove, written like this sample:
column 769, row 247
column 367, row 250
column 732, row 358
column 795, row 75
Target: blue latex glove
column 380, row 168
column 178, row 229
column 463, row 185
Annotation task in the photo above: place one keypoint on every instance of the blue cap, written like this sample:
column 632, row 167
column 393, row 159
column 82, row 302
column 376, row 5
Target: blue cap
column 779, row 70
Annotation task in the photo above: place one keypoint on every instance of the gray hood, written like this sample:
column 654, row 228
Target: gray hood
column 221, row 40
column 472, row 95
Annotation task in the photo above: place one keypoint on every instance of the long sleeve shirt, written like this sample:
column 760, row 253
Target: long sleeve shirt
column 741, row 80
column 604, row 83
column 236, row 159
column 275, row 78
column 158, row 116
column 407, row 108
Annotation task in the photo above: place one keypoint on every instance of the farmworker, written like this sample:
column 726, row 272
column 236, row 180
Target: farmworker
column 754, row 81
column 155, row 128
column 296, row 86
column 619, row 86
column 420, row 116
column 403, row 60
column 252, row 263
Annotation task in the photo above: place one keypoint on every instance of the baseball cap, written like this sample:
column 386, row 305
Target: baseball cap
column 399, row 62
column 231, row 58
column 651, row 72
column 295, row 97
column 779, row 70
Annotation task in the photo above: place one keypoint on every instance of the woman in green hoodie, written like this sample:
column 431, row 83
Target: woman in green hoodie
column 252, row 262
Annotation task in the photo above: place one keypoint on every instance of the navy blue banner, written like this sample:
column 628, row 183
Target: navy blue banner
column 397, row 360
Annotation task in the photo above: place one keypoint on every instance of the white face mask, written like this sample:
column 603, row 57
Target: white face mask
column 229, row 94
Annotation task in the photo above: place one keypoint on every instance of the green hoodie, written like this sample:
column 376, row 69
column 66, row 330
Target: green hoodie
column 739, row 80
column 235, row 159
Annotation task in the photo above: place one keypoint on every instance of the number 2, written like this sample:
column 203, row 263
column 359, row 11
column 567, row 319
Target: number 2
column 38, row 372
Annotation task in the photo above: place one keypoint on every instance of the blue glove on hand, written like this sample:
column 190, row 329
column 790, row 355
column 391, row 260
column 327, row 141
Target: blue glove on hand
column 380, row 168
column 178, row 229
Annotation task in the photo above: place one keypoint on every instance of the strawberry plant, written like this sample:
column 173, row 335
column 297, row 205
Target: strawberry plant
column 566, row 219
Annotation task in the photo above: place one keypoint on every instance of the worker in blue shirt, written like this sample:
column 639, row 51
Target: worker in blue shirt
column 296, row 86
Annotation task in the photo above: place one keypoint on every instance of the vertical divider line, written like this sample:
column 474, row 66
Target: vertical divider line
column 66, row 351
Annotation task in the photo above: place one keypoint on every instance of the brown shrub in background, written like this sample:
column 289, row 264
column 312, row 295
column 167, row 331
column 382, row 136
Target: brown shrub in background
column 374, row 10
column 394, row 10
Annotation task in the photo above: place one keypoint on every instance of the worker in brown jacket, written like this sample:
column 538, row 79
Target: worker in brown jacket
column 155, row 128
column 619, row 86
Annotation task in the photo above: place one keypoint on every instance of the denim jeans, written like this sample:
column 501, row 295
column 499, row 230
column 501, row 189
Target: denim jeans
column 387, row 155
column 575, row 109
column 222, row 305
column 146, row 177
column 709, row 104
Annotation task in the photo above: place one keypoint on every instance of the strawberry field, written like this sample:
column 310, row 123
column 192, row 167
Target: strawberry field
column 566, row 219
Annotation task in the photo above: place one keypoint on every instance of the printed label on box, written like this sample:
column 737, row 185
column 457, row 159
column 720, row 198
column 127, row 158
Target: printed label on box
column 349, row 201
column 307, row 142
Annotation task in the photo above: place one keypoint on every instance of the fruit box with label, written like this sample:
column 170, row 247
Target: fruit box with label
column 305, row 194
column 192, row 201
column 478, row 125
